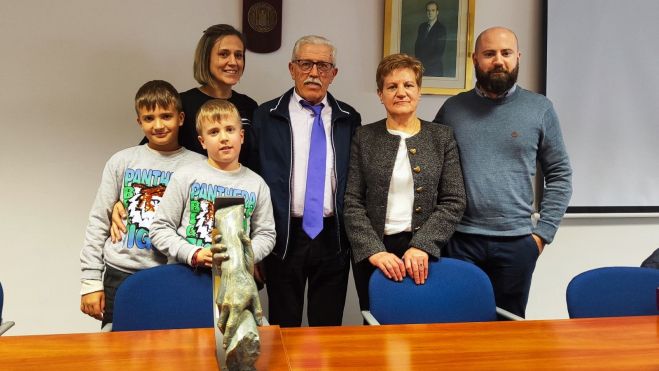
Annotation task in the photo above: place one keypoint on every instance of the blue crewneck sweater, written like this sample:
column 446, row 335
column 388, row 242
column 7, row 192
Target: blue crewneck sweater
column 500, row 141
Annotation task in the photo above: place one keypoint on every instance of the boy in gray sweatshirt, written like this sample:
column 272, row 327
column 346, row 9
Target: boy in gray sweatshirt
column 183, row 223
column 137, row 177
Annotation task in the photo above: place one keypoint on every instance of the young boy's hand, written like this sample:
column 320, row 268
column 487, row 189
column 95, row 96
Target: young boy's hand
column 93, row 304
column 118, row 229
column 204, row 258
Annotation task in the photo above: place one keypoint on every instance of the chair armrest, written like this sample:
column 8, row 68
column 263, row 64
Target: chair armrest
column 368, row 317
column 509, row 316
column 6, row 326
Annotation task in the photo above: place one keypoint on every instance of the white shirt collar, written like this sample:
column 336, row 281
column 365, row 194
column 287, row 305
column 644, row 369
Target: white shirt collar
column 482, row 93
column 298, row 98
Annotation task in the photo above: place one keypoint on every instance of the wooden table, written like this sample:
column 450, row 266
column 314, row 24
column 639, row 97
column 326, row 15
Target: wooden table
column 187, row 349
column 604, row 343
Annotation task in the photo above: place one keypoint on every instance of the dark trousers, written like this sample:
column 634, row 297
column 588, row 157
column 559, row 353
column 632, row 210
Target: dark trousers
column 508, row 261
column 111, row 281
column 396, row 244
column 317, row 262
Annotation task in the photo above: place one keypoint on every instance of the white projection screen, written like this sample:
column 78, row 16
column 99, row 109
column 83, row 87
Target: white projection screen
column 603, row 78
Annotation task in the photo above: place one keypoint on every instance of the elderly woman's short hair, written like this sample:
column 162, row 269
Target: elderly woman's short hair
column 396, row 61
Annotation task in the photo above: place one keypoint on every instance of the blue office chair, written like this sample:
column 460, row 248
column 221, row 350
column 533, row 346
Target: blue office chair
column 164, row 297
column 455, row 291
column 4, row 326
column 613, row 292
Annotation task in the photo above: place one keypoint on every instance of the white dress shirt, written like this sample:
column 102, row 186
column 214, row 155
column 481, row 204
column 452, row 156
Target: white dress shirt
column 302, row 122
column 400, row 201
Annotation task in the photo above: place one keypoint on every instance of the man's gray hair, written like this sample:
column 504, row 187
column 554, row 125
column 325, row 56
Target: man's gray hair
column 313, row 40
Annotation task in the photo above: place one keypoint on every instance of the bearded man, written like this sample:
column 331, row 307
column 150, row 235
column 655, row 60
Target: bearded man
column 503, row 131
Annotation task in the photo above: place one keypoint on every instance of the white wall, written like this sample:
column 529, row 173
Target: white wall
column 70, row 71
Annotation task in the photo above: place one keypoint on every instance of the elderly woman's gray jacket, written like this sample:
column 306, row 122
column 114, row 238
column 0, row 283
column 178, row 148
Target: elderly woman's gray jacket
column 439, row 194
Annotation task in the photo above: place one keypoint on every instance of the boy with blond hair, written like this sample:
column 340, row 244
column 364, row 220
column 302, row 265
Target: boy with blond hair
column 137, row 177
column 183, row 224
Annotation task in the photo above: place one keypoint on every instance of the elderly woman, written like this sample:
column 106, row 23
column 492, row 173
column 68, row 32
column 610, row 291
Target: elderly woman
column 405, row 192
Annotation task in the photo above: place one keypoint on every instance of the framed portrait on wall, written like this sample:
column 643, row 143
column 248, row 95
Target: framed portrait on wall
column 440, row 34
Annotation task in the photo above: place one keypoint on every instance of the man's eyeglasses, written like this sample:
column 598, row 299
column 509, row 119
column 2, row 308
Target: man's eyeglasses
column 306, row 65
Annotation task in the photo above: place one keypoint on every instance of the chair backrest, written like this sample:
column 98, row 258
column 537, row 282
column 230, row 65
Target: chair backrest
column 455, row 291
column 613, row 292
column 164, row 297
column 4, row 326
column 2, row 300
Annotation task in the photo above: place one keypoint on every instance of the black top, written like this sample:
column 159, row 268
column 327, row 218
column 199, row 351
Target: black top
column 193, row 99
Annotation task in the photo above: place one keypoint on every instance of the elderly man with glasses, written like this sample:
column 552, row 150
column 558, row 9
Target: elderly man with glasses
column 303, row 142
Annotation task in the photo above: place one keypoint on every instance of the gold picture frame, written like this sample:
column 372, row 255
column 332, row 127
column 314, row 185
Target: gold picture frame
column 406, row 20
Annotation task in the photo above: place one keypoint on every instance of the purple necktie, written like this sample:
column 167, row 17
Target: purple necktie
column 312, row 219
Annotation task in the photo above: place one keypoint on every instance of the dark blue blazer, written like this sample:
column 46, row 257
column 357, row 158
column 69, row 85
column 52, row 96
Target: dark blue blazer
column 274, row 146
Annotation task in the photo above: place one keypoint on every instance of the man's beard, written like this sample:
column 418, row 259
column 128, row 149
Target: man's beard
column 498, row 80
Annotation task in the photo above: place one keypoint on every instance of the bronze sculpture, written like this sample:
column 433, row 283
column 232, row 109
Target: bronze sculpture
column 237, row 297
